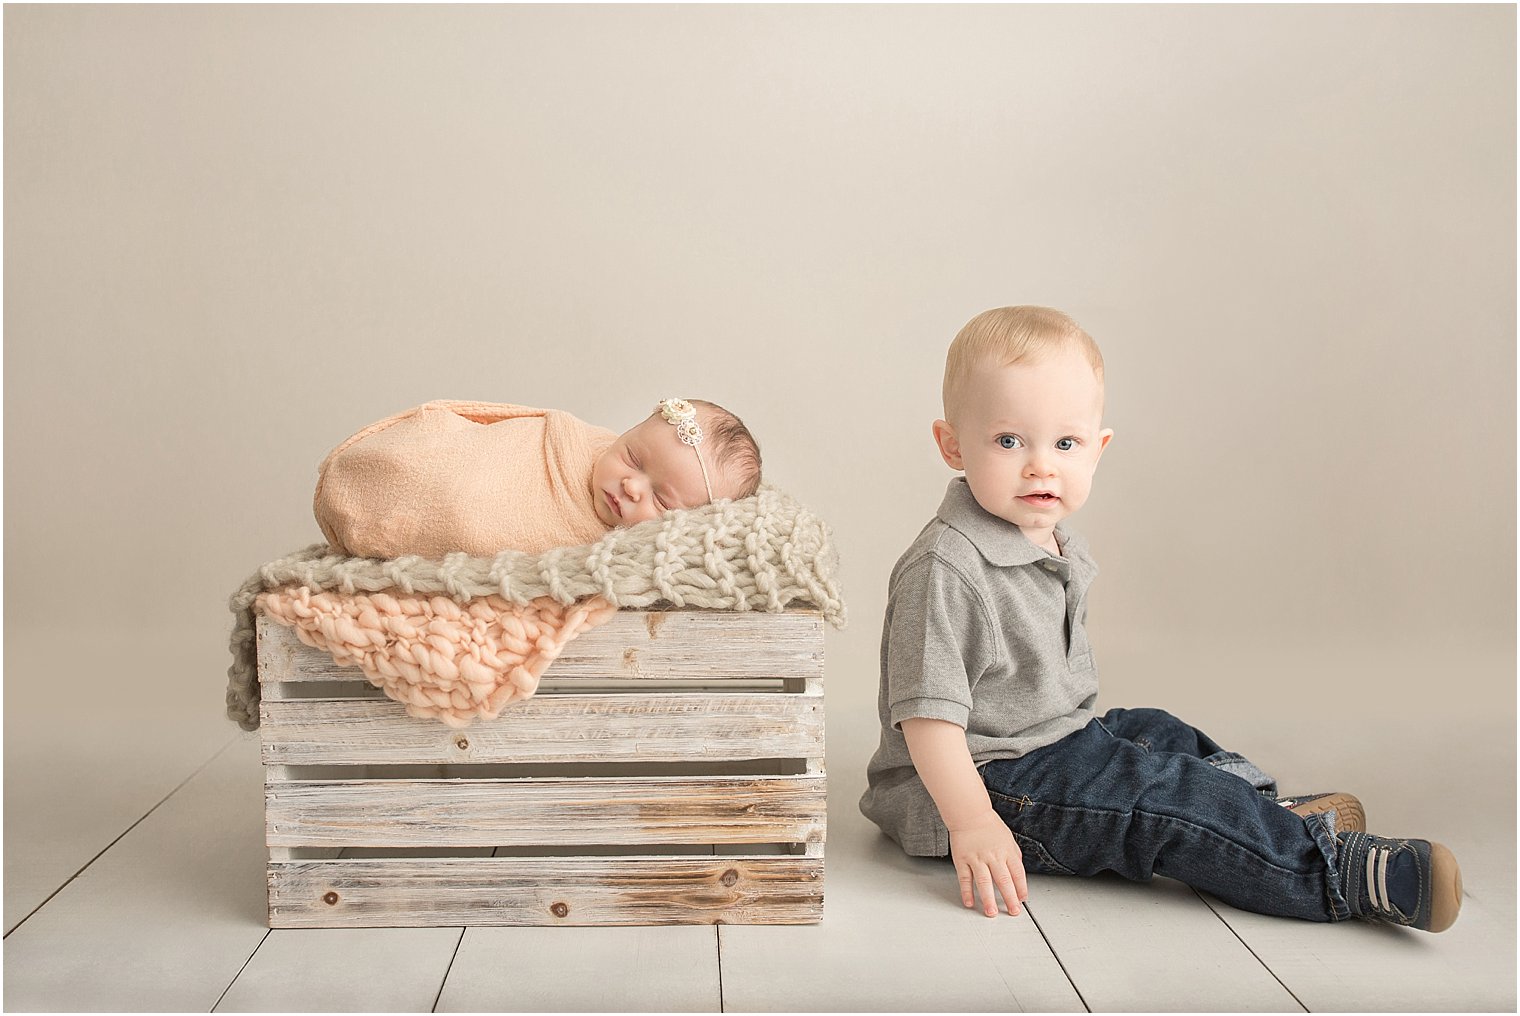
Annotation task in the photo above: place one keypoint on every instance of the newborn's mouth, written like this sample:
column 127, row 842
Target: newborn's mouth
column 612, row 502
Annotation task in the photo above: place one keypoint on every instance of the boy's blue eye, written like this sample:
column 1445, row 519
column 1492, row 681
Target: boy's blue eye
column 1007, row 441
column 1066, row 444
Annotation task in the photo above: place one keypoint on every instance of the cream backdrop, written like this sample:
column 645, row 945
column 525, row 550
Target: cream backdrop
column 233, row 235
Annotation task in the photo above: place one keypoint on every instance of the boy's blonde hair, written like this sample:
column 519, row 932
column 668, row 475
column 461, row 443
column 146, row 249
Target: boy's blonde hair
column 1009, row 335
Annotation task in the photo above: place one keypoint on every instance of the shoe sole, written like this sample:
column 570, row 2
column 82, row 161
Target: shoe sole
column 1349, row 815
column 1445, row 888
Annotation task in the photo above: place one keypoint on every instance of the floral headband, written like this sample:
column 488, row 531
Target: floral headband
column 683, row 416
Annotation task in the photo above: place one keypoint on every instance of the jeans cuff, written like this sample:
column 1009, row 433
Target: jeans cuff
column 1239, row 765
column 1322, row 828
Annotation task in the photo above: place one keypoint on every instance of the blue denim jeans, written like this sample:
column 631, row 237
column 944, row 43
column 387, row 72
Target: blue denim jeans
column 1141, row 793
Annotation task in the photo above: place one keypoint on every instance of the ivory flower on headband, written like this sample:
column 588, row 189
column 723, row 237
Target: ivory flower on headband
column 683, row 416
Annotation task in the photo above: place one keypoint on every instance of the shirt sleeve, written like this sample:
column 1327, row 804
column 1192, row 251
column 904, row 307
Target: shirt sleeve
column 937, row 644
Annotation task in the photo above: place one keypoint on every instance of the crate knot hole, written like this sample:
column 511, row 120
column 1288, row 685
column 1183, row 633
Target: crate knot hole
column 462, row 743
column 331, row 899
column 653, row 620
column 729, row 877
column 559, row 909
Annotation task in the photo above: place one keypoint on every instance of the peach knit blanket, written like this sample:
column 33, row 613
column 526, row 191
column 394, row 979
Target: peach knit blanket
column 476, row 477
column 441, row 659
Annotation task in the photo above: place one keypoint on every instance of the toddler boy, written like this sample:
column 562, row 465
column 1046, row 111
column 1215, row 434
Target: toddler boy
column 990, row 748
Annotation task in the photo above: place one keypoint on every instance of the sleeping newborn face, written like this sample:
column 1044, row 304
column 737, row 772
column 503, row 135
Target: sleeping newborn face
column 647, row 472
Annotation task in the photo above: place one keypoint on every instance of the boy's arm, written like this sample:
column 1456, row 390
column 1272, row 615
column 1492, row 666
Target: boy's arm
column 981, row 845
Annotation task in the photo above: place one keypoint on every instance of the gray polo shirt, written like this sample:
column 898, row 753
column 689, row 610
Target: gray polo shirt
column 983, row 629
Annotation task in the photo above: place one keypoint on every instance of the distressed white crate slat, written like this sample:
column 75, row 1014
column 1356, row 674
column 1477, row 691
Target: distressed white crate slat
column 546, row 891
column 654, row 727
column 470, row 813
column 674, row 645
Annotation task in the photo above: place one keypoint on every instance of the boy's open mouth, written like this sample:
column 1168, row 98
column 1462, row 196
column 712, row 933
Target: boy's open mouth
column 1039, row 497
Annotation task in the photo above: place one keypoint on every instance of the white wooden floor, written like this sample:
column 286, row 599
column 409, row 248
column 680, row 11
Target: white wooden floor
column 134, row 880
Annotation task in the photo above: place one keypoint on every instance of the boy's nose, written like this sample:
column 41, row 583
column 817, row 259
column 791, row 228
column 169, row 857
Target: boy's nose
column 1037, row 466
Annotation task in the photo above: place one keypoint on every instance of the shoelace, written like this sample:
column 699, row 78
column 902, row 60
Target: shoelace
column 1377, row 886
column 1374, row 871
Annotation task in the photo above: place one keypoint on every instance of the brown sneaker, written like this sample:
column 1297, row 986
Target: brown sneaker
column 1349, row 815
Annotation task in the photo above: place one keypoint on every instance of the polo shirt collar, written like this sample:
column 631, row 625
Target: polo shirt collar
column 1001, row 542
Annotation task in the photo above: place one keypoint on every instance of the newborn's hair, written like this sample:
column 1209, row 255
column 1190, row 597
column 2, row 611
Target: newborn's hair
column 730, row 447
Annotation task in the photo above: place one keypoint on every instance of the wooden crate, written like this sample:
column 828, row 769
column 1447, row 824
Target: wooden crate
column 670, row 770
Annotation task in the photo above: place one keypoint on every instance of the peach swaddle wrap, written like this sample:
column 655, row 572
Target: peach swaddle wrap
column 478, row 477
column 446, row 477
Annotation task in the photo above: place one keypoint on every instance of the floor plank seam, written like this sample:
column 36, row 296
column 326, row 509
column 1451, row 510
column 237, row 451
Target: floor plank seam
column 69, row 881
column 240, row 970
column 445, row 982
column 1057, row 957
column 722, row 1002
column 1243, row 942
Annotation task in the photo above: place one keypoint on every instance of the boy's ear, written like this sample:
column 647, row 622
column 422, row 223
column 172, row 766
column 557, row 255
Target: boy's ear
column 949, row 445
column 1104, row 437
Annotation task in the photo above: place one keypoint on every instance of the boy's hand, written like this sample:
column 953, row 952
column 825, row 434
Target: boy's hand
column 982, row 847
column 986, row 854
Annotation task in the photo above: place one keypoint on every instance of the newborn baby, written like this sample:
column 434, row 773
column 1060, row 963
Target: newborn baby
column 484, row 477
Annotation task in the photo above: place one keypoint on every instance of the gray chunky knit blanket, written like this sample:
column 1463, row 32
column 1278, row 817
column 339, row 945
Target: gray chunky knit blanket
column 759, row 553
